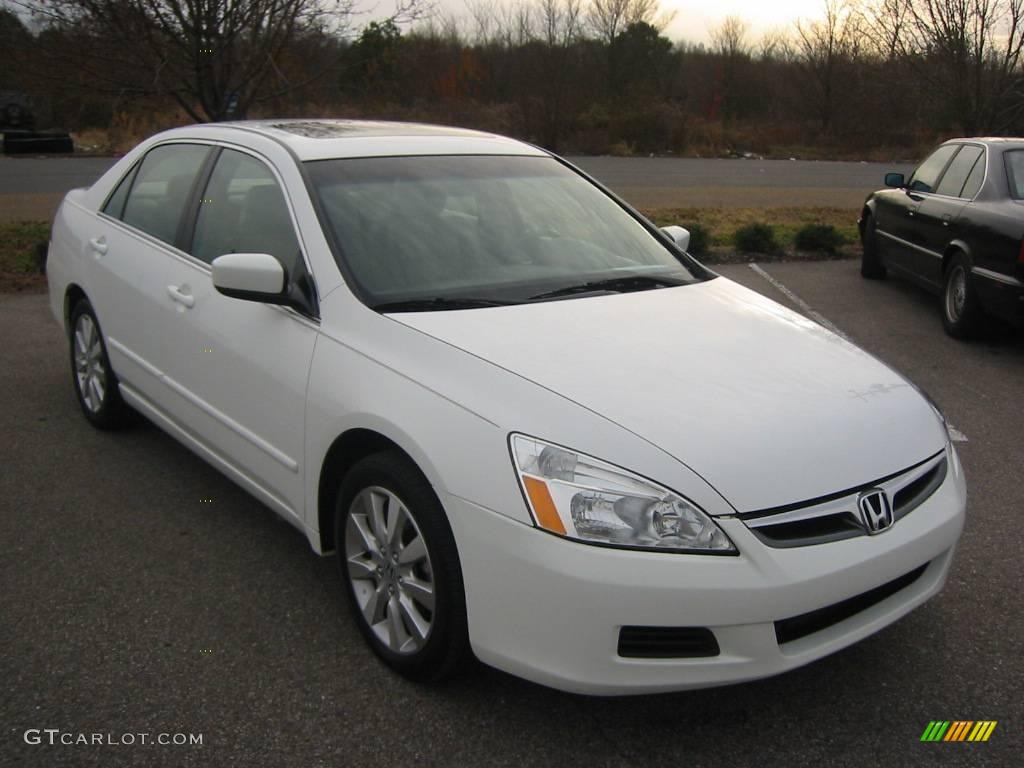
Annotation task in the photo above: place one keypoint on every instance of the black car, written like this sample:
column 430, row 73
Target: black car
column 956, row 227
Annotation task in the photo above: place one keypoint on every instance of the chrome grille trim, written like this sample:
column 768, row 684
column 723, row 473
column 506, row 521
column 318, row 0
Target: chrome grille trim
column 844, row 507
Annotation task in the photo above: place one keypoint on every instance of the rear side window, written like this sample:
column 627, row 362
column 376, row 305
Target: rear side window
column 1015, row 172
column 115, row 203
column 952, row 182
column 973, row 184
column 927, row 173
column 243, row 210
column 162, row 189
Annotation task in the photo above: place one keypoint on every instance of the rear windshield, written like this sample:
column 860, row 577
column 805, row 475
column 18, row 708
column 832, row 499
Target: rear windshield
column 501, row 228
column 1015, row 172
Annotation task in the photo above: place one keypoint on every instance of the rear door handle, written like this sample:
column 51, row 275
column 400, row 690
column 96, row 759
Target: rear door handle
column 98, row 244
column 179, row 296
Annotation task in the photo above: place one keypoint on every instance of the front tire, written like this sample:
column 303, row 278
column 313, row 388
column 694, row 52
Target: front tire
column 95, row 383
column 871, row 266
column 961, row 310
column 401, row 568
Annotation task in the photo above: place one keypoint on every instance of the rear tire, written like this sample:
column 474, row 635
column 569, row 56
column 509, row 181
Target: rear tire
column 962, row 315
column 95, row 383
column 871, row 266
column 401, row 568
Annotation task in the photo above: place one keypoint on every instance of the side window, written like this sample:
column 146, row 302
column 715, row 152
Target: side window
column 927, row 173
column 973, row 184
column 161, row 190
column 952, row 181
column 1015, row 173
column 115, row 203
column 243, row 210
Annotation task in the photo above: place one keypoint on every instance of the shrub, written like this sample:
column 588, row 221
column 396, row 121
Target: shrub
column 818, row 237
column 755, row 238
column 700, row 239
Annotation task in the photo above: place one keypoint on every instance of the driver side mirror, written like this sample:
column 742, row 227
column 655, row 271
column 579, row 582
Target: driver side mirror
column 252, row 277
column 678, row 235
column 895, row 180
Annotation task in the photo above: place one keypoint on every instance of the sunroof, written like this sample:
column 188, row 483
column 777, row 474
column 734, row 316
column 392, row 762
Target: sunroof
column 337, row 129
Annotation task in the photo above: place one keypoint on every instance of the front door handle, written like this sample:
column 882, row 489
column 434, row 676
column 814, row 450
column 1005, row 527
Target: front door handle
column 176, row 293
column 98, row 244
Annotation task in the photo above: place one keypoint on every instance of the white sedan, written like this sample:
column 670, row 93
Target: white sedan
column 529, row 425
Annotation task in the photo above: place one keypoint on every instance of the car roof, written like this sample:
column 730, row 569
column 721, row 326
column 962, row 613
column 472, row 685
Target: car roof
column 319, row 139
column 1004, row 142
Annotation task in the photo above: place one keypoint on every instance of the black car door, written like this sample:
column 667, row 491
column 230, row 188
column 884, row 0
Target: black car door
column 900, row 237
column 937, row 216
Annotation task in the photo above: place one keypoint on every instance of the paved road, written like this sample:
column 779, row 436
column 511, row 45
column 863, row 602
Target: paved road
column 117, row 580
column 31, row 187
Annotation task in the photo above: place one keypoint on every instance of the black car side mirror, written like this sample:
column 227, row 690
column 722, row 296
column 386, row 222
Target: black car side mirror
column 895, row 180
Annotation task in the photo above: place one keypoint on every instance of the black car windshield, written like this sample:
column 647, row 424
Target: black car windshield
column 465, row 231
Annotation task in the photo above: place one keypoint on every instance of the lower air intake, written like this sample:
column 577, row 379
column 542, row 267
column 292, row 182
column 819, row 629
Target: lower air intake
column 667, row 643
column 795, row 627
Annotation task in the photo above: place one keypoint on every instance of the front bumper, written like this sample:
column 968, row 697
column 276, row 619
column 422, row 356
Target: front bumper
column 550, row 610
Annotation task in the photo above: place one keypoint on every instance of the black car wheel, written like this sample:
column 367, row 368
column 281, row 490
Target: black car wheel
column 94, row 380
column 871, row 265
column 401, row 568
column 961, row 310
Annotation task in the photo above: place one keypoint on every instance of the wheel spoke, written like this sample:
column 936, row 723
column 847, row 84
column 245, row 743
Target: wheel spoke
column 421, row 592
column 396, row 523
column 360, row 568
column 376, row 504
column 417, row 626
column 81, row 347
column 396, row 630
column 359, row 525
column 375, row 607
column 413, row 552
column 97, row 388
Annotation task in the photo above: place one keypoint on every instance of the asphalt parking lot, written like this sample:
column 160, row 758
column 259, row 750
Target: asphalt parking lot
column 32, row 187
column 129, row 605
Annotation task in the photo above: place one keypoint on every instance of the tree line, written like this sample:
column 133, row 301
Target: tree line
column 871, row 76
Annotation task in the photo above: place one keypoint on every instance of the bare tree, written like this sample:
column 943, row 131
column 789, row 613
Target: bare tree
column 776, row 45
column 827, row 48
column 967, row 51
column 608, row 18
column 729, row 41
column 730, row 38
column 215, row 58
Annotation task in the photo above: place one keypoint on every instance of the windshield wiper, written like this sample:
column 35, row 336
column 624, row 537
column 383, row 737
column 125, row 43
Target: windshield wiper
column 439, row 303
column 619, row 284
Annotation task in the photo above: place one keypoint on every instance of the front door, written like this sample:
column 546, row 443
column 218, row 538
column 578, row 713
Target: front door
column 239, row 368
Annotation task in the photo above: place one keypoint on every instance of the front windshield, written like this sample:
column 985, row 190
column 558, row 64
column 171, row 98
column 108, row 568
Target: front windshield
column 490, row 228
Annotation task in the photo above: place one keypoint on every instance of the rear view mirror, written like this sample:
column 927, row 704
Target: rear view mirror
column 895, row 180
column 679, row 235
column 251, row 276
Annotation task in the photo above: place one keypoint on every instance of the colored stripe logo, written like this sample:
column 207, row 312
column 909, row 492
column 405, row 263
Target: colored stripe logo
column 959, row 730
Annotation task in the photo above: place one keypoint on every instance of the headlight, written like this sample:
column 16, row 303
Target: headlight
column 589, row 500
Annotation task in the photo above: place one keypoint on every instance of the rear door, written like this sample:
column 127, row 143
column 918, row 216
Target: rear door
column 132, row 246
column 238, row 369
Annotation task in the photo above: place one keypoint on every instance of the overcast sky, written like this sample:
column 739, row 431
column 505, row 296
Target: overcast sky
column 694, row 18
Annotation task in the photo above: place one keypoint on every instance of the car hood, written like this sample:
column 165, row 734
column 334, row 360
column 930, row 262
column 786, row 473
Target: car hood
column 768, row 406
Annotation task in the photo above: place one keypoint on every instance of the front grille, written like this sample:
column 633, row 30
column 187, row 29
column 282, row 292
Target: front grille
column 667, row 642
column 835, row 517
column 795, row 627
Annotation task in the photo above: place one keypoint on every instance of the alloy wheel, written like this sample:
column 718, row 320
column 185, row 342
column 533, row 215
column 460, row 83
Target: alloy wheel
column 389, row 568
column 90, row 372
column 956, row 293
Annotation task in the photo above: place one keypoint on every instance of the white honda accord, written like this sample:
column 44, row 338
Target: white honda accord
column 529, row 425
